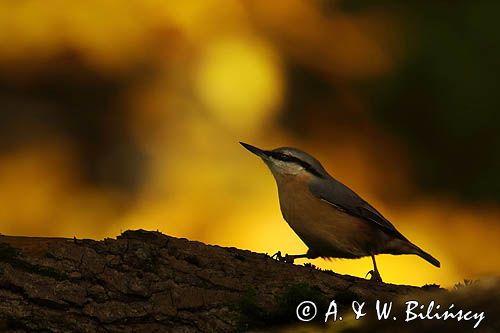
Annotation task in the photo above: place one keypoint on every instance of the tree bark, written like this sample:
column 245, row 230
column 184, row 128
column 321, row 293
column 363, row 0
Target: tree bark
column 148, row 282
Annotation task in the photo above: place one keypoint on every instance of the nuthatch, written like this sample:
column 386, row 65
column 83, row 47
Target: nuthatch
column 332, row 220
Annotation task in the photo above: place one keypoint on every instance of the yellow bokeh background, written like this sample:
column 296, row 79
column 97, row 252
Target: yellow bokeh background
column 216, row 76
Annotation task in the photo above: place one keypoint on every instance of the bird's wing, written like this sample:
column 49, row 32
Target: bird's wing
column 343, row 198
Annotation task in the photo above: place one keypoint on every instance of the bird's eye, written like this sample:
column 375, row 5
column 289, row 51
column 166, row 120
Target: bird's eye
column 283, row 157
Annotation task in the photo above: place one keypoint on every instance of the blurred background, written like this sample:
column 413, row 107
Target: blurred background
column 123, row 115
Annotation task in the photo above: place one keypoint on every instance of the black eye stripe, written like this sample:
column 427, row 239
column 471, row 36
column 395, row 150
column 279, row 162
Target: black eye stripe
column 284, row 157
column 293, row 159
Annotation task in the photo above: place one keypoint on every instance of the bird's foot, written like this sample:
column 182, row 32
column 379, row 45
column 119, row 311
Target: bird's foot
column 285, row 258
column 375, row 276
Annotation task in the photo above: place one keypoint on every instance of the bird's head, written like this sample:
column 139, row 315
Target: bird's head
column 287, row 161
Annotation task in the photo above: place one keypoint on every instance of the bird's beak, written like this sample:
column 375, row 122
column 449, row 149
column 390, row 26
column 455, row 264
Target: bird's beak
column 259, row 152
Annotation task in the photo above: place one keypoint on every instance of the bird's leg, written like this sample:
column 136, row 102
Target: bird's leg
column 375, row 275
column 289, row 257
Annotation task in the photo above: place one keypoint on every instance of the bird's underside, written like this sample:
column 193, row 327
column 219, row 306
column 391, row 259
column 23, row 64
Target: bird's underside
column 332, row 235
column 327, row 230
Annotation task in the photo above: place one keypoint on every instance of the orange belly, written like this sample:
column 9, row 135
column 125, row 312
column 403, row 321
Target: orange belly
column 326, row 230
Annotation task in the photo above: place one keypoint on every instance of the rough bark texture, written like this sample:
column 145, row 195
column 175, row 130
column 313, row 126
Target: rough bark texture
column 149, row 282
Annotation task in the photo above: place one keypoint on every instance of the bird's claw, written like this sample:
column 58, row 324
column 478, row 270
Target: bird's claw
column 277, row 255
column 375, row 276
column 285, row 258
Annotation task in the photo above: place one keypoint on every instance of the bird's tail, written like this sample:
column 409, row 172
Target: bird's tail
column 424, row 255
column 401, row 246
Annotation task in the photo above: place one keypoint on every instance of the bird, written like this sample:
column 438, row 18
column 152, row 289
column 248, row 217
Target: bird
column 330, row 218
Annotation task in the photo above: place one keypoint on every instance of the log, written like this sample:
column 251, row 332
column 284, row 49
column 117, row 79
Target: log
column 145, row 281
